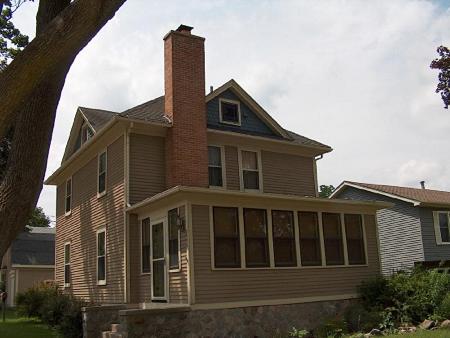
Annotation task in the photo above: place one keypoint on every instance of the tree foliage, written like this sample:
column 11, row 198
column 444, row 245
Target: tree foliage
column 39, row 218
column 326, row 190
column 443, row 64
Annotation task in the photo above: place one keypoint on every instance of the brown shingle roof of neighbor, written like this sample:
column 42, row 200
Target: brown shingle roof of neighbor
column 153, row 111
column 426, row 196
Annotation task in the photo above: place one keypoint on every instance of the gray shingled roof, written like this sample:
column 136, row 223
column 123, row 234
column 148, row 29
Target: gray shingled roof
column 153, row 111
column 97, row 117
column 36, row 247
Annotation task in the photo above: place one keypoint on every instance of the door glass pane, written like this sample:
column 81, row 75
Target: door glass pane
column 158, row 241
column 158, row 278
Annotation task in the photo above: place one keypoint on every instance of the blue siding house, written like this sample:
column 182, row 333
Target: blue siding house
column 416, row 230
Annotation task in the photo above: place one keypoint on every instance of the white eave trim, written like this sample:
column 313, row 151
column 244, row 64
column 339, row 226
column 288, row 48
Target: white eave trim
column 347, row 184
column 31, row 266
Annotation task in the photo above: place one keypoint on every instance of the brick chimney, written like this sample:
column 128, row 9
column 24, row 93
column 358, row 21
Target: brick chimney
column 184, row 77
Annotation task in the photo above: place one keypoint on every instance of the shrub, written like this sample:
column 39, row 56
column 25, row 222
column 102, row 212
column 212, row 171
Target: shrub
column 359, row 319
column 443, row 310
column 30, row 302
column 334, row 328
column 54, row 308
column 71, row 325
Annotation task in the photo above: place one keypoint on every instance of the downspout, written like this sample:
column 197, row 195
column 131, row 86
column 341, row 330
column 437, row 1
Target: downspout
column 317, row 158
column 126, row 218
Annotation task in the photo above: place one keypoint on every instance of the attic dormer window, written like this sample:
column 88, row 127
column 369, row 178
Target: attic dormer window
column 86, row 133
column 230, row 112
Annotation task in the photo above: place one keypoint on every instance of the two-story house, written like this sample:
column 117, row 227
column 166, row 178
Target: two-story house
column 415, row 230
column 206, row 201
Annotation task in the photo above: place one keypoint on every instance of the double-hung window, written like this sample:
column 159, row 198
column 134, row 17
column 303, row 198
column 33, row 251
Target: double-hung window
column 443, row 228
column 227, row 252
column 250, row 166
column 256, row 238
column 174, row 240
column 283, row 235
column 66, row 264
column 309, row 233
column 68, row 197
column 101, row 257
column 215, row 169
column 332, row 237
column 145, row 245
column 101, row 181
column 354, row 234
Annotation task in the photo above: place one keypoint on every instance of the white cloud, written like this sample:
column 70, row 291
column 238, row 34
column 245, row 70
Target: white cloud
column 352, row 74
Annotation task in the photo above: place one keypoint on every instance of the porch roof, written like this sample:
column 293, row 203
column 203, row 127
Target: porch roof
column 207, row 196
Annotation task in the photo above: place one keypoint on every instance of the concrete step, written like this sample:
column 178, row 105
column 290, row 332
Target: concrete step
column 109, row 334
column 115, row 327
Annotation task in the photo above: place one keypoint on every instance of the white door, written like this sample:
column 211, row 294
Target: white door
column 158, row 258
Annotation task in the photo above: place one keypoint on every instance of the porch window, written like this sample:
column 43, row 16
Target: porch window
column 68, row 197
column 256, row 242
column 332, row 237
column 250, row 170
column 444, row 227
column 67, row 265
column 101, row 183
column 283, row 234
column 227, row 252
column 310, row 251
column 215, row 166
column 174, row 240
column 101, row 257
column 355, row 239
column 145, row 245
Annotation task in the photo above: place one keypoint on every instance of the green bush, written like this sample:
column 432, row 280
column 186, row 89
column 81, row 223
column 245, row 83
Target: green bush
column 359, row 319
column 334, row 328
column 54, row 308
column 405, row 297
column 443, row 310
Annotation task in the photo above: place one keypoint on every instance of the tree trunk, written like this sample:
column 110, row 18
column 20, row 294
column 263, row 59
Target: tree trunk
column 30, row 92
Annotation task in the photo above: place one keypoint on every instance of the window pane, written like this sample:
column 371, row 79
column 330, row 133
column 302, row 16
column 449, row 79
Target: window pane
column 158, row 279
column 102, row 182
column 146, row 245
column 69, row 187
column 230, row 112
column 249, row 160
column 215, row 176
column 355, row 239
column 68, row 203
column 309, row 239
column 101, row 244
column 101, row 273
column 102, row 162
column 283, row 238
column 256, row 245
column 226, row 238
column 158, row 241
column 67, row 254
column 332, row 236
column 443, row 225
column 173, row 239
column 251, row 180
column 214, row 157
column 66, row 274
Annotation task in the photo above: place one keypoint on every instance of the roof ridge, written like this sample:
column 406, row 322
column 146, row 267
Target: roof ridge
column 98, row 109
column 396, row 186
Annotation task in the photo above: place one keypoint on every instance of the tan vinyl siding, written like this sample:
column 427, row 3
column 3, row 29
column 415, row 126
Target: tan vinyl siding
column 140, row 284
column 232, row 168
column 90, row 214
column 288, row 174
column 147, row 166
column 29, row 277
column 215, row 286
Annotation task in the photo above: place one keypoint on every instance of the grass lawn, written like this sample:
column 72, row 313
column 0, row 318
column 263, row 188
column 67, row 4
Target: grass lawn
column 424, row 334
column 16, row 327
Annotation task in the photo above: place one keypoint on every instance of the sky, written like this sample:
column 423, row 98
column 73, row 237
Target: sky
column 351, row 74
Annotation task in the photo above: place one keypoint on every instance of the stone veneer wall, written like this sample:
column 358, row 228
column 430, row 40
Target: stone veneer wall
column 97, row 319
column 257, row 321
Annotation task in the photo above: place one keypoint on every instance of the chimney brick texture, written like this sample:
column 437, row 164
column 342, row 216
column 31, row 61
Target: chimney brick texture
column 186, row 140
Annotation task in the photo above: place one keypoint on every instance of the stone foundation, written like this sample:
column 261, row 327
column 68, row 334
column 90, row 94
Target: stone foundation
column 97, row 319
column 257, row 321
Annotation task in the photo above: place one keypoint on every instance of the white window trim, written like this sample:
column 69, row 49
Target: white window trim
column 103, row 193
column 241, row 169
column 86, row 127
column 222, row 159
column 100, row 281
column 437, row 228
column 68, row 212
column 239, row 112
column 177, row 269
column 140, row 243
column 297, row 240
column 67, row 284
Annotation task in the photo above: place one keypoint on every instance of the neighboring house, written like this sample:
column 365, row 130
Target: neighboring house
column 204, row 201
column 415, row 230
column 28, row 261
